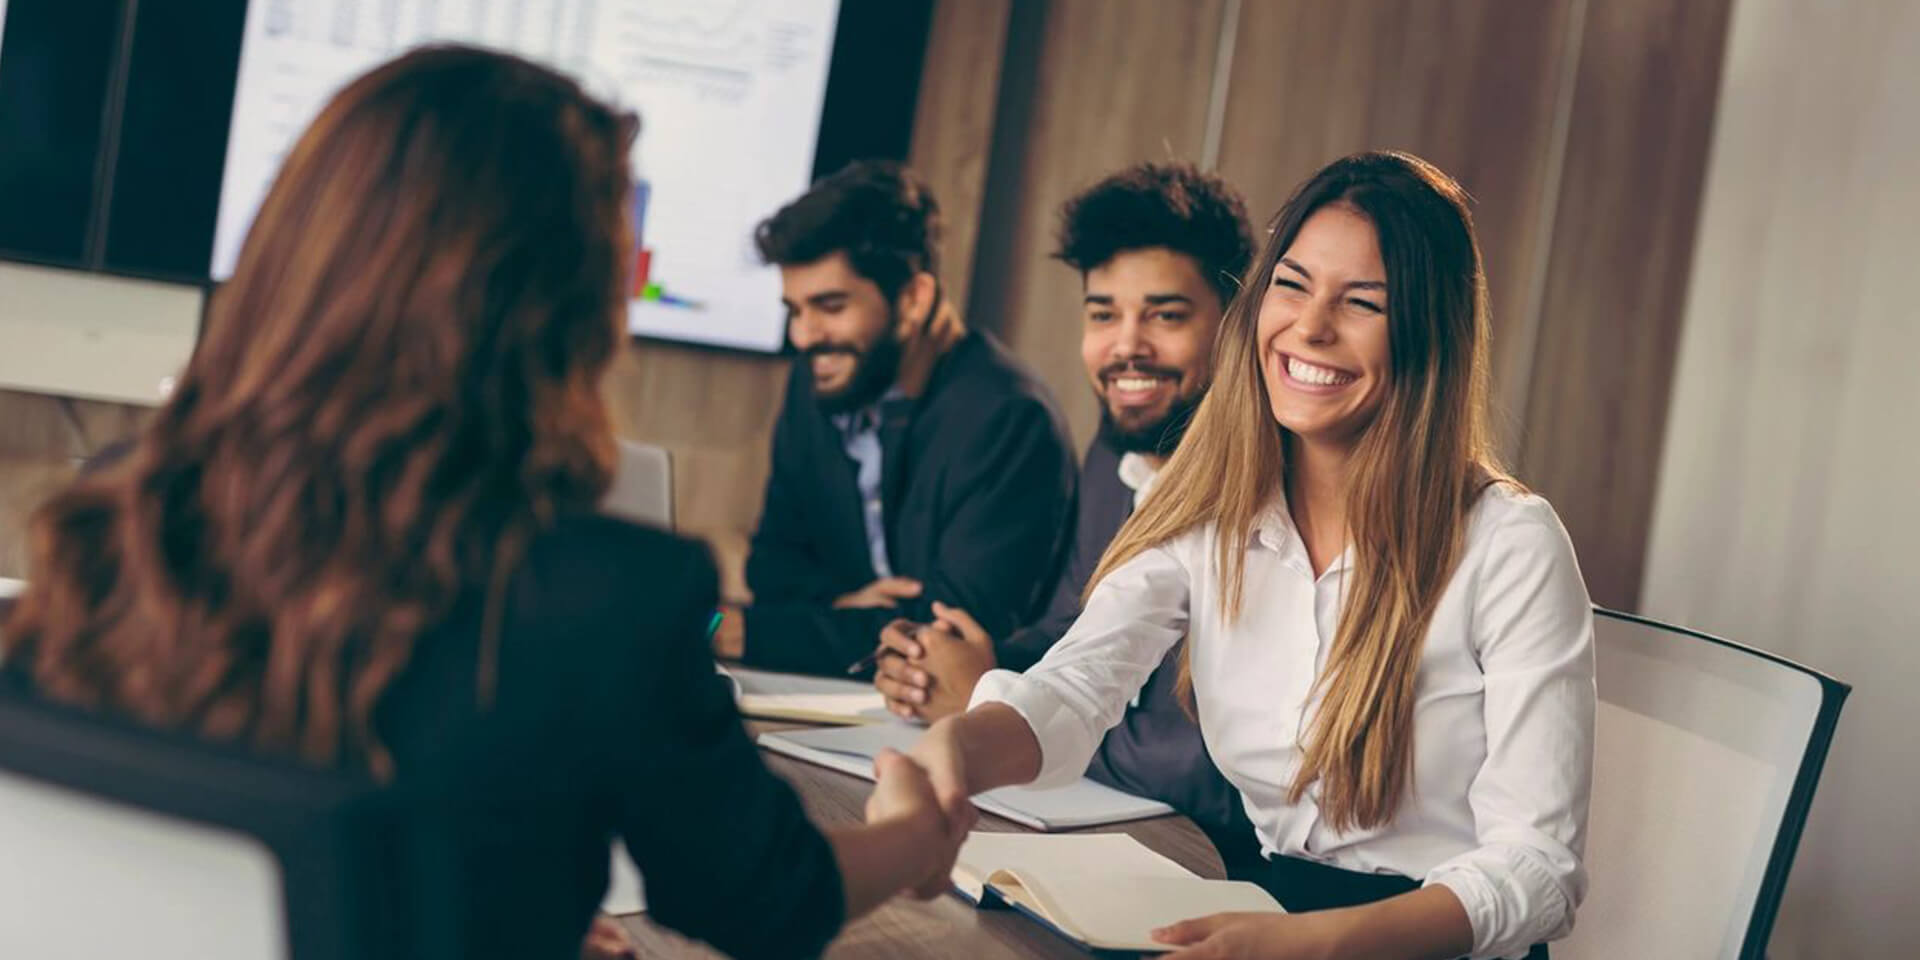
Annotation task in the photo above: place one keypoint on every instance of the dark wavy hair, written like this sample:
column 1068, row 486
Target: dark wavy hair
column 1171, row 205
column 881, row 216
column 397, row 389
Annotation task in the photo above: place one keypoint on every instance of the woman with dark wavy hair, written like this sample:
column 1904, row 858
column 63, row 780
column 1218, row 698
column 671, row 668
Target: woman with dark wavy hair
column 361, row 534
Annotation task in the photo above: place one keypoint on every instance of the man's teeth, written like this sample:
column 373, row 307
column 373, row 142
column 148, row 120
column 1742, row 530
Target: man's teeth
column 1136, row 383
column 1321, row 376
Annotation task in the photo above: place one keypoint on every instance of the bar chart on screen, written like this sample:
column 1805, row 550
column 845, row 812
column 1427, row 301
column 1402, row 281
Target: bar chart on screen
column 729, row 93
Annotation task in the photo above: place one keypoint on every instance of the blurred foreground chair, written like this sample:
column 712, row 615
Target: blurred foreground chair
column 642, row 488
column 126, row 842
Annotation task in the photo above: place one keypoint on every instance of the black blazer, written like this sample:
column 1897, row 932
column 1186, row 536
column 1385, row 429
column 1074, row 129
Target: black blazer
column 1156, row 751
column 608, row 721
column 976, row 490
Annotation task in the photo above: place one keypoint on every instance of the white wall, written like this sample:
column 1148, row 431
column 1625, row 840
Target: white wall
column 1788, row 508
column 89, row 335
column 65, row 334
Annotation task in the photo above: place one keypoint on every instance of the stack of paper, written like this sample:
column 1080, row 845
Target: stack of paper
column 802, row 699
column 1082, row 804
column 626, row 892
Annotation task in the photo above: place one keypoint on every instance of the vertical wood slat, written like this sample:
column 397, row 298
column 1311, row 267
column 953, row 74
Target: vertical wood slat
column 1615, row 287
column 953, row 127
column 1471, row 85
column 1117, row 82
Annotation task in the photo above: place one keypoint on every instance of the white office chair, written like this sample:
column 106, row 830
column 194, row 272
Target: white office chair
column 642, row 489
column 75, row 858
column 1706, row 757
column 120, row 841
column 10, row 591
column 84, row 877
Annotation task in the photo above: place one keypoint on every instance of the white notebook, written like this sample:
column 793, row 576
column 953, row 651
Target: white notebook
column 1103, row 891
column 1082, row 804
column 803, row 699
column 626, row 892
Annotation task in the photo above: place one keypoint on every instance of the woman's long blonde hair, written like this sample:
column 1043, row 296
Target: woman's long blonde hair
column 1416, row 472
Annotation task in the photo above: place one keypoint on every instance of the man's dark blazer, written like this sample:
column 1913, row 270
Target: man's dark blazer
column 977, row 493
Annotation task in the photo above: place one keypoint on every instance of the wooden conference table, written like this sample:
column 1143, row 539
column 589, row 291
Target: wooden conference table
column 946, row 926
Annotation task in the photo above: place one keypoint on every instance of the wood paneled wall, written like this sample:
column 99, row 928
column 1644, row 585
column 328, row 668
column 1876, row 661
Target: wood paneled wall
column 953, row 126
column 1471, row 85
column 42, row 441
column 1579, row 127
column 1116, row 82
column 1620, row 254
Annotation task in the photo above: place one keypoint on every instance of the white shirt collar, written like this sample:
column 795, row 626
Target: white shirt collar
column 1138, row 473
column 1273, row 526
column 1273, row 529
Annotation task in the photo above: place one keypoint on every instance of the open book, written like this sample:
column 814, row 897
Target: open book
column 802, row 699
column 1103, row 891
column 1082, row 804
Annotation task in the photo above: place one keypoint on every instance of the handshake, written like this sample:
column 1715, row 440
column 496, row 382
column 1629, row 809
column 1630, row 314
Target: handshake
column 923, row 800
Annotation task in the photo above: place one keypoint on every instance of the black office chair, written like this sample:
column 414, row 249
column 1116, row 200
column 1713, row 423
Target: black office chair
column 122, row 841
column 1706, row 755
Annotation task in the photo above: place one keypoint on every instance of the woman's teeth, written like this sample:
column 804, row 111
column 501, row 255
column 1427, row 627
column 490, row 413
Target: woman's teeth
column 1317, row 375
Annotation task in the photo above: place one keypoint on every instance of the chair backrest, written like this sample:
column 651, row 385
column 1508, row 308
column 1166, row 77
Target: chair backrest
column 9, row 591
column 642, row 489
column 85, row 877
column 126, row 842
column 1706, row 757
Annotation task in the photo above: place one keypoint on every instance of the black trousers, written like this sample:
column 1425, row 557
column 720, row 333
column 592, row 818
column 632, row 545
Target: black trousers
column 1303, row 886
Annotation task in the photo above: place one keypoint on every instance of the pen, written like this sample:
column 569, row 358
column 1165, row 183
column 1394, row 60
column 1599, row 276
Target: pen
column 864, row 664
column 872, row 660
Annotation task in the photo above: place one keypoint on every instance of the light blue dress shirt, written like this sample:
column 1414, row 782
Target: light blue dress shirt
column 860, row 437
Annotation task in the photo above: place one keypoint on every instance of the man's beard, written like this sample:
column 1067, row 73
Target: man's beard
column 1158, row 437
column 874, row 370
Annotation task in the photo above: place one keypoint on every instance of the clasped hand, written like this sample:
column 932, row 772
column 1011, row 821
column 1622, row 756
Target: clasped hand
column 928, row 671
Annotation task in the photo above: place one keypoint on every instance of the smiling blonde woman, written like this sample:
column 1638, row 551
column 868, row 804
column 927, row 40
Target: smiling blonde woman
column 1389, row 642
